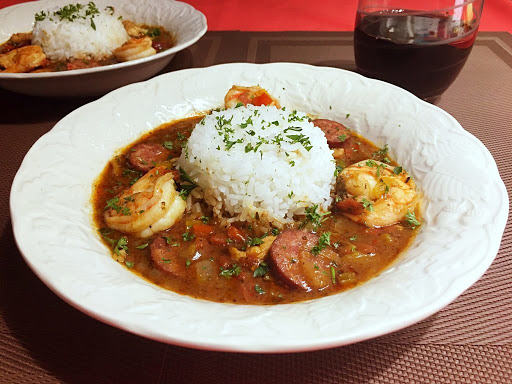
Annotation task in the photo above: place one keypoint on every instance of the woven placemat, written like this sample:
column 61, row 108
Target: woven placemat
column 44, row 340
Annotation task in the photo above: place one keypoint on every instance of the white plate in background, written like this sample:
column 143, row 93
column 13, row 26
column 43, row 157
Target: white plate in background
column 186, row 23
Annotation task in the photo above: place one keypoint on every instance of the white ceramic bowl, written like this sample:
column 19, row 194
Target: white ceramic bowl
column 187, row 23
column 465, row 211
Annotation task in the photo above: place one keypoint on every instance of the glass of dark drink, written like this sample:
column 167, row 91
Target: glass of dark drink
column 419, row 45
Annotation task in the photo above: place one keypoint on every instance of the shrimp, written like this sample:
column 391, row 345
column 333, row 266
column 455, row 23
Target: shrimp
column 135, row 49
column 149, row 206
column 134, row 30
column 21, row 38
column 22, row 59
column 249, row 95
column 377, row 194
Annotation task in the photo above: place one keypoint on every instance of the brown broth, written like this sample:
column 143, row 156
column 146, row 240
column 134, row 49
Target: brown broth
column 365, row 251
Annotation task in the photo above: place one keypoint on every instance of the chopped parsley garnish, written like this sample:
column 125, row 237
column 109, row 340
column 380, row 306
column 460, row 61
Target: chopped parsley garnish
column 261, row 270
column 112, row 204
column 239, row 104
column 353, row 238
column 40, row 16
column 168, row 144
column 347, row 115
column 258, row 289
column 379, row 167
column 333, row 275
column 187, row 263
column 337, row 170
column 186, row 188
column 342, row 138
column 142, row 246
column 302, row 139
column 410, row 217
column 252, row 241
column 316, row 218
column 275, row 231
column 72, row 12
column 381, row 152
column 129, row 264
column 233, row 271
column 397, row 170
column 323, row 242
column 154, row 32
column 121, row 246
column 135, row 175
column 104, row 233
column 367, row 204
column 204, row 219
column 187, row 236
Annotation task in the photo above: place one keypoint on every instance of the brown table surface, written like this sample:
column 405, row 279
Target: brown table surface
column 44, row 340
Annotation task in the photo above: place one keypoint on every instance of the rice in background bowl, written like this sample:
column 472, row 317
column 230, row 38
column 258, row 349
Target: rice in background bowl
column 83, row 37
column 259, row 163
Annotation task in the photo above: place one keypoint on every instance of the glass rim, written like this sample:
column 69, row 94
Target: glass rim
column 467, row 2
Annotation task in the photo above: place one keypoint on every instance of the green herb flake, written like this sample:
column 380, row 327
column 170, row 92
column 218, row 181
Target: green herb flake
column 367, row 204
column 333, row 275
column 40, row 16
column 168, row 144
column 337, row 170
column 410, row 217
column 143, row 246
column 397, row 170
column 129, row 264
column 204, row 219
column 228, row 273
column 323, row 242
column 261, row 270
column 252, row 241
column 186, row 188
column 121, row 246
column 187, row 236
column 104, row 233
column 381, row 152
column 316, row 218
column 258, row 289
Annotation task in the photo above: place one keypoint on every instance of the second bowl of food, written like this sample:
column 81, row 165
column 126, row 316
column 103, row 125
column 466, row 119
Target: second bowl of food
column 62, row 49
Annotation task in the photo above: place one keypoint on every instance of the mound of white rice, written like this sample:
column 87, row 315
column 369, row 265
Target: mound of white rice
column 85, row 36
column 259, row 163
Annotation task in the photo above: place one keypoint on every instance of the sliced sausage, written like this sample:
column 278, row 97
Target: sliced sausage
column 295, row 264
column 165, row 257
column 338, row 136
column 144, row 157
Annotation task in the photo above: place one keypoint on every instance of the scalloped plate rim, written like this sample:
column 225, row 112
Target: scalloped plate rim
column 266, row 347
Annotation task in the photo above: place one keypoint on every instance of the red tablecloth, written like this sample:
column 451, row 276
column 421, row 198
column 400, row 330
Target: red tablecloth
column 325, row 15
